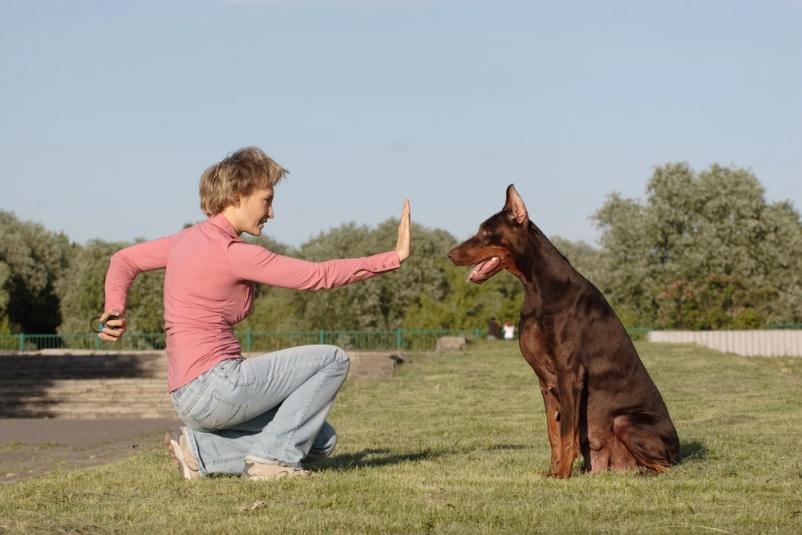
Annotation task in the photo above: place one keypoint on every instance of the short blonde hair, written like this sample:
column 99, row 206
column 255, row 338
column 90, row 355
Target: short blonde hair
column 237, row 175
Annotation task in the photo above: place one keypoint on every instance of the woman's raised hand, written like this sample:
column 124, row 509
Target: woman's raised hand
column 402, row 246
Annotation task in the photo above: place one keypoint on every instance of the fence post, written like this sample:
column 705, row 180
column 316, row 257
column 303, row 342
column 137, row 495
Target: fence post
column 322, row 337
column 22, row 341
column 399, row 338
column 249, row 340
column 478, row 333
column 97, row 342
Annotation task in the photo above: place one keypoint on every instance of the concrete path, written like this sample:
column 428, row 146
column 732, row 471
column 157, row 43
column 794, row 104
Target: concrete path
column 31, row 447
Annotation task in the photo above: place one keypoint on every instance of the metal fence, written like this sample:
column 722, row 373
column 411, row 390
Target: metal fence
column 390, row 339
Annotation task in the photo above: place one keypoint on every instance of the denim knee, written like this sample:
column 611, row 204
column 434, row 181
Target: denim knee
column 324, row 444
column 340, row 356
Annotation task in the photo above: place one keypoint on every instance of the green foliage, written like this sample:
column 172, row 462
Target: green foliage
column 274, row 309
column 82, row 293
column 625, row 276
column 32, row 260
column 715, row 302
column 382, row 301
column 694, row 226
column 467, row 305
column 582, row 256
column 5, row 275
column 590, row 262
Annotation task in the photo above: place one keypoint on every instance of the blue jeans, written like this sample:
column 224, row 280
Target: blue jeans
column 271, row 408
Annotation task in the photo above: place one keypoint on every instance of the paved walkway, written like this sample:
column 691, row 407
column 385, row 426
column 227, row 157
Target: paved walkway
column 31, row 447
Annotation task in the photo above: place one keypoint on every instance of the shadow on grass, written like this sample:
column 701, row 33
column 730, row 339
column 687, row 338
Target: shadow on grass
column 381, row 457
column 375, row 457
column 507, row 447
column 691, row 451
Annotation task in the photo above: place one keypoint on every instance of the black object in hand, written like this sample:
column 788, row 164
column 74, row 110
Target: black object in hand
column 100, row 324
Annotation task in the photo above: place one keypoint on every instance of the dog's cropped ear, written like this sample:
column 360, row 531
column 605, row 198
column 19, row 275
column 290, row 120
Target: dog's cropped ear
column 515, row 205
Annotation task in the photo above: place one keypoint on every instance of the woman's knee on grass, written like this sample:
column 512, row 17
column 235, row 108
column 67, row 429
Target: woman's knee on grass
column 323, row 445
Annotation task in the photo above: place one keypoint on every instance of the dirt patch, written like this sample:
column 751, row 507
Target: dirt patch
column 31, row 447
column 34, row 446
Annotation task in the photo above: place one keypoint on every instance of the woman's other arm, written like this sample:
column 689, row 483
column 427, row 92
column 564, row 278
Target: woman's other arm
column 124, row 266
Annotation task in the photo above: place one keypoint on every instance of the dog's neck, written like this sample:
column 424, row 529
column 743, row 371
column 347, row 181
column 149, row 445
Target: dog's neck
column 547, row 276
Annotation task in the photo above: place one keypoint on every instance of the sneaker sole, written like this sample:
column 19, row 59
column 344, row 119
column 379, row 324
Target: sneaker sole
column 282, row 474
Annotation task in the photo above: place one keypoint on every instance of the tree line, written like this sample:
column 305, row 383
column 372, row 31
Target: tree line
column 703, row 250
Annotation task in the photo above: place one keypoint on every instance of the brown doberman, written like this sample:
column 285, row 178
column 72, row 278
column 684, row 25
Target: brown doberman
column 600, row 400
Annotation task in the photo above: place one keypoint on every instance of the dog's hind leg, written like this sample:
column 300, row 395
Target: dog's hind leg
column 641, row 434
column 599, row 460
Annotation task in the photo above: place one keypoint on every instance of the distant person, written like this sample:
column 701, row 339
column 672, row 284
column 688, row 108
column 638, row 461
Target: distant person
column 493, row 330
column 262, row 416
column 509, row 330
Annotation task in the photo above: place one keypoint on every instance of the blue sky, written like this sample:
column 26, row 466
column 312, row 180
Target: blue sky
column 109, row 111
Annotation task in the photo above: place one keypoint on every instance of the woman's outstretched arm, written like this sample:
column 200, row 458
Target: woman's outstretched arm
column 255, row 263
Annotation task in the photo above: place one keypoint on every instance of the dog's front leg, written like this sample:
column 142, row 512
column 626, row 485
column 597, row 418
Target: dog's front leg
column 570, row 384
column 551, row 400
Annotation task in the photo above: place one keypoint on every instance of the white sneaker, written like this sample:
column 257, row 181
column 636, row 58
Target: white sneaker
column 178, row 447
column 268, row 471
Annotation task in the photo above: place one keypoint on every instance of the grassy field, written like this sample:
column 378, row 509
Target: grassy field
column 456, row 444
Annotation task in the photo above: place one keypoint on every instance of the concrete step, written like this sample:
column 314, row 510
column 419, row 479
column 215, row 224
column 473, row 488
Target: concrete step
column 88, row 407
column 82, row 413
column 23, row 388
column 92, row 398
column 45, row 365
column 93, row 405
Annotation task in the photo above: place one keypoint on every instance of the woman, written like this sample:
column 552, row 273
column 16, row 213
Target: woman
column 263, row 416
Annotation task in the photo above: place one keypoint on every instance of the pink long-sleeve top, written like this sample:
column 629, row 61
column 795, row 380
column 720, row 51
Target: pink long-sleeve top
column 209, row 283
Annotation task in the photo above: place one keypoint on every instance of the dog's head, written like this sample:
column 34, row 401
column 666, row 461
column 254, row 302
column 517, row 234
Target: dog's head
column 493, row 248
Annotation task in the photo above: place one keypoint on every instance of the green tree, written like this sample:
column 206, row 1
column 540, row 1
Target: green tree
column 32, row 261
column 584, row 257
column 274, row 309
column 695, row 228
column 382, row 301
column 5, row 275
column 714, row 302
column 465, row 305
column 83, row 297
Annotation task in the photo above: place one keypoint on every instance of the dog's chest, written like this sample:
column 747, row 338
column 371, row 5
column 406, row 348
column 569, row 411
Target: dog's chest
column 537, row 340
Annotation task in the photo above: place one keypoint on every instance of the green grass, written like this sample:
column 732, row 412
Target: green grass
column 456, row 444
column 19, row 446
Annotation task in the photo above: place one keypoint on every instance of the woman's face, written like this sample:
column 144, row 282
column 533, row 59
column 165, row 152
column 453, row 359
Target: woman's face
column 254, row 211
